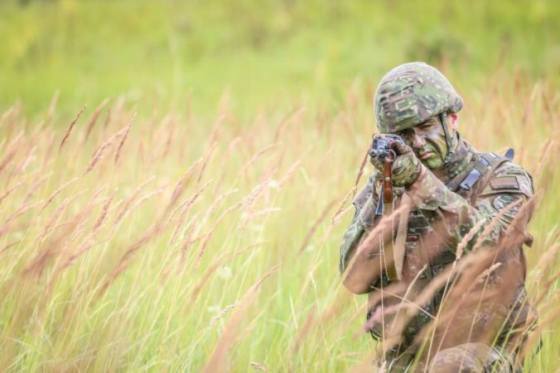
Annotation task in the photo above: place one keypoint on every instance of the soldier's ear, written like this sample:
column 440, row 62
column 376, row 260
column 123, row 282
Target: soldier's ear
column 453, row 120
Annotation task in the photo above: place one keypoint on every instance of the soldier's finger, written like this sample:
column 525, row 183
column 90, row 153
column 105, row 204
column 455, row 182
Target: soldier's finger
column 400, row 148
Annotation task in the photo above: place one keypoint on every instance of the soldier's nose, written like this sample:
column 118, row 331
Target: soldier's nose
column 417, row 141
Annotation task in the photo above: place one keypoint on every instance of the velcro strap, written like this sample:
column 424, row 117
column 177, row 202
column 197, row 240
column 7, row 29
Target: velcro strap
column 486, row 162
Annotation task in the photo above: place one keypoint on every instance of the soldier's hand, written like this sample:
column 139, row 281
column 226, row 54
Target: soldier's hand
column 377, row 162
column 406, row 167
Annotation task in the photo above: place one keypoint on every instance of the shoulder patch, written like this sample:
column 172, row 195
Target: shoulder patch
column 509, row 178
column 502, row 201
column 504, row 182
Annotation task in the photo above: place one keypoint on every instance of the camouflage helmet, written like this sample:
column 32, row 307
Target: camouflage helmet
column 410, row 94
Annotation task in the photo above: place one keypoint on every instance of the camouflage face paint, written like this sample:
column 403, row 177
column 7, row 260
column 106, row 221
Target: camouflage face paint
column 428, row 142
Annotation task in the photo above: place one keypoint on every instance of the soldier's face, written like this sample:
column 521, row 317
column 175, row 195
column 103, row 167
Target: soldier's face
column 428, row 142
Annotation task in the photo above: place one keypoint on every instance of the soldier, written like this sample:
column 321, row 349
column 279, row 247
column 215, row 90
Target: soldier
column 450, row 203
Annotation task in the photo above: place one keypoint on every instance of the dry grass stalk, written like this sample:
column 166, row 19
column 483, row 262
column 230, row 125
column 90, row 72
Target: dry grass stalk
column 123, row 138
column 169, row 125
column 496, row 220
column 9, row 191
column 342, row 208
column 219, row 360
column 205, row 160
column 101, row 150
column 289, row 118
column 471, row 301
column 360, row 172
column 546, row 287
column 103, row 214
column 27, row 160
column 256, row 157
column 8, row 225
column 304, row 330
column 216, row 224
column 183, row 210
column 81, row 250
column 156, row 229
column 470, row 289
column 197, row 288
column 180, row 188
column 8, row 114
column 132, row 203
column 35, row 186
column 483, row 266
column 52, row 247
column 545, row 153
column 123, row 263
column 126, row 205
column 316, row 225
column 94, row 117
column 178, row 214
column 536, row 334
column 8, row 246
column 291, row 171
column 62, row 266
column 258, row 366
column 108, row 117
column 372, row 247
column 55, row 217
column 7, row 159
column 69, row 129
column 468, row 238
column 546, row 261
column 58, row 191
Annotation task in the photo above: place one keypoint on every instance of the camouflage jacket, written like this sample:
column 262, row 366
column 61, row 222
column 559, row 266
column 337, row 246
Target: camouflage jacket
column 476, row 196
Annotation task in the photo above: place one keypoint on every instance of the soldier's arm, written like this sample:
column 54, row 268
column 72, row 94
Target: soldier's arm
column 361, row 260
column 493, row 209
column 364, row 205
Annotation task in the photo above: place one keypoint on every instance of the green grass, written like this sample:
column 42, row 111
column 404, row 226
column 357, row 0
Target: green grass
column 172, row 280
column 212, row 241
column 269, row 53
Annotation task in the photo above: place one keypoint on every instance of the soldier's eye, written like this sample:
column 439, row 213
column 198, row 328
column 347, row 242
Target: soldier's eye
column 427, row 125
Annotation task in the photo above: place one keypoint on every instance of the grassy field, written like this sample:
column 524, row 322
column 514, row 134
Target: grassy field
column 182, row 215
column 268, row 53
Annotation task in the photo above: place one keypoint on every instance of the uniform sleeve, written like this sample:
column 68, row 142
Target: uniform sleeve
column 364, row 205
column 493, row 211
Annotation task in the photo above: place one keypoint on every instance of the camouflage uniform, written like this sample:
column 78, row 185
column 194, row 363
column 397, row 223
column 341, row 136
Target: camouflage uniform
column 475, row 194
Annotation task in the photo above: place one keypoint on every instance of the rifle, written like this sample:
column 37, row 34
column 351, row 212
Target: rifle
column 382, row 148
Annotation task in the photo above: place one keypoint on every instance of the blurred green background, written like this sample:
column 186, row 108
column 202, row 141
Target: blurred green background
column 261, row 54
column 281, row 93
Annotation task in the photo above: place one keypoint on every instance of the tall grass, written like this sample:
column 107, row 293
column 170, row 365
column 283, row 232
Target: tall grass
column 174, row 242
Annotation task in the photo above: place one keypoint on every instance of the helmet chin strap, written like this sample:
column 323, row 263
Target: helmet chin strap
column 448, row 139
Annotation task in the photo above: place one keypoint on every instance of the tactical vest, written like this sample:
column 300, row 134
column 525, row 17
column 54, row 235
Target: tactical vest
column 469, row 185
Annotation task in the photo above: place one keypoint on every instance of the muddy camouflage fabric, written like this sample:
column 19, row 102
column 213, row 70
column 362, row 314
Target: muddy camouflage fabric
column 410, row 94
column 472, row 357
column 502, row 184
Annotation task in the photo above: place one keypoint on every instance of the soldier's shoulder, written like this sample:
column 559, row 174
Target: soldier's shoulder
column 509, row 178
column 361, row 197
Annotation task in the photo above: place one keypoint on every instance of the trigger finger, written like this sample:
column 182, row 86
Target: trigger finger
column 400, row 148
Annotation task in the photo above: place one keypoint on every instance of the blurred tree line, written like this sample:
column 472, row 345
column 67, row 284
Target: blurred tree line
column 265, row 53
